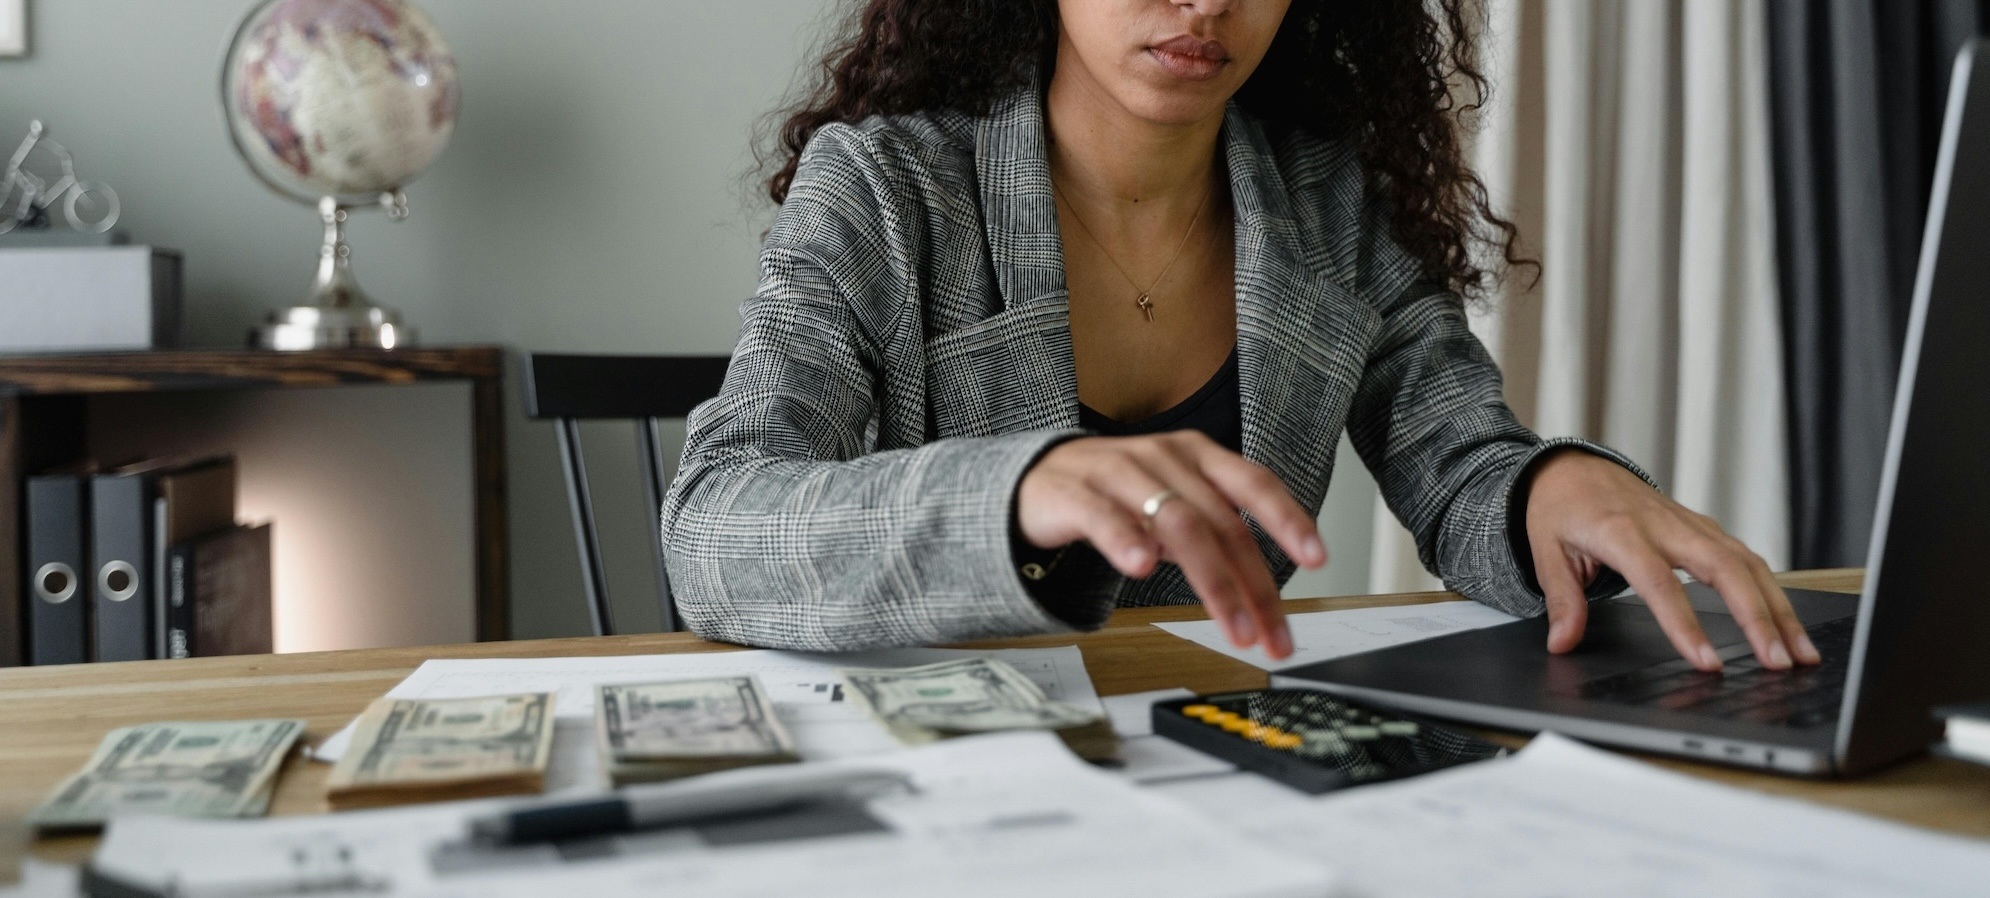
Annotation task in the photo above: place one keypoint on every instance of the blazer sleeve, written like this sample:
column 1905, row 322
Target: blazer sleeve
column 1452, row 461
column 781, row 528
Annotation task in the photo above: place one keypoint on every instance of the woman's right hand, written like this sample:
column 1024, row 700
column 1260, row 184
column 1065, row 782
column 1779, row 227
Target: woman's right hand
column 1093, row 489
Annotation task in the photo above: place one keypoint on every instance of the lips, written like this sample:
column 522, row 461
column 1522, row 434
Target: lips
column 1187, row 56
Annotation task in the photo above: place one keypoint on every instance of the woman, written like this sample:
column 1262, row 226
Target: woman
column 1067, row 305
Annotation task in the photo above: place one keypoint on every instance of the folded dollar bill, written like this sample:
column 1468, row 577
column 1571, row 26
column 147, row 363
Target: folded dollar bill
column 209, row 768
column 657, row 731
column 414, row 750
column 970, row 695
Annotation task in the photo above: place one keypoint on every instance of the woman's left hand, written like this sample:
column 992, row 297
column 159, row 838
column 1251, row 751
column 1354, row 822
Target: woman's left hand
column 1584, row 511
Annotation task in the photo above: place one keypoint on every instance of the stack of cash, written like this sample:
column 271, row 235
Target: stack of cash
column 414, row 750
column 658, row 731
column 972, row 695
column 213, row 768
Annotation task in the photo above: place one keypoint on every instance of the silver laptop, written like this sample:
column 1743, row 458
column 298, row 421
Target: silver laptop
column 1918, row 637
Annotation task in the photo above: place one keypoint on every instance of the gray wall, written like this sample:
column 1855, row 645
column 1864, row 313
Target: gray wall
column 595, row 198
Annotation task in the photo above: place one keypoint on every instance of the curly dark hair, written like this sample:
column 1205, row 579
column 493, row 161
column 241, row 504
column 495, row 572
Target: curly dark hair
column 1400, row 79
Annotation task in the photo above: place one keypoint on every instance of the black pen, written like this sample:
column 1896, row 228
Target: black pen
column 664, row 804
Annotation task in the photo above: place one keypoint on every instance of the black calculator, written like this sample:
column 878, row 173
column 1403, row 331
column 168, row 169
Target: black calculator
column 1312, row 741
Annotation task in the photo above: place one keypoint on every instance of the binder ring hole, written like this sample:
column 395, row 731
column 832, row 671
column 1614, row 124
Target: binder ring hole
column 55, row 583
column 119, row 580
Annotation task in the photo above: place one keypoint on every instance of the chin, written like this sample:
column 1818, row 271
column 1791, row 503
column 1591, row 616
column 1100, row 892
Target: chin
column 1173, row 104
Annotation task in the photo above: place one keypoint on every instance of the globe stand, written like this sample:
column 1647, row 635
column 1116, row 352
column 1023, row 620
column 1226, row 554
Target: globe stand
column 339, row 315
column 337, row 104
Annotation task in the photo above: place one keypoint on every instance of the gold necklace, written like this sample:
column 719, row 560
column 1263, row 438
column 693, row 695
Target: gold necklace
column 1145, row 300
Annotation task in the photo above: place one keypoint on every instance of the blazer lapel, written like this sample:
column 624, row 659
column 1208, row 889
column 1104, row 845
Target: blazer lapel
column 1009, row 367
column 1302, row 338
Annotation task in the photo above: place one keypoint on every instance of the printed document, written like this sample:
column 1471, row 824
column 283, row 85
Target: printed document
column 997, row 815
column 1325, row 635
column 1561, row 818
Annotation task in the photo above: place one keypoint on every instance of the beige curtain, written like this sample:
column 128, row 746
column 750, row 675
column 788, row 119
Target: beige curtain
column 1629, row 140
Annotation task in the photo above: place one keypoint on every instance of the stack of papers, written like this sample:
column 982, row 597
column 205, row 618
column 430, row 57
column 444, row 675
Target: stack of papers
column 998, row 815
column 1561, row 818
column 1148, row 758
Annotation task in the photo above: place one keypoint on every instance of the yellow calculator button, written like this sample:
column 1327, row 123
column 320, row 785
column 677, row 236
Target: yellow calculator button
column 1232, row 722
column 1283, row 740
column 1256, row 732
column 1201, row 712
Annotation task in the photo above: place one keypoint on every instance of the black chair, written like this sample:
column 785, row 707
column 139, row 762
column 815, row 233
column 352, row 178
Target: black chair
column 644, row 389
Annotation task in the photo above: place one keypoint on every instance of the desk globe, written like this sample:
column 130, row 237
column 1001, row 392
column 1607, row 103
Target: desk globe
column 338, row 104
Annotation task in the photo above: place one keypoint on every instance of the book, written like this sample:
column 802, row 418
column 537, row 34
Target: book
column 1967, row 732
column 232, row 595
column 192, row 502
column 218, row 589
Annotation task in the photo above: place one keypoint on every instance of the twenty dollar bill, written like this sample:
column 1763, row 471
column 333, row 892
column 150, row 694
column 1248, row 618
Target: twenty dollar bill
column 971, row 695
column 411, row 750
column 656, row 731
column 214, row 768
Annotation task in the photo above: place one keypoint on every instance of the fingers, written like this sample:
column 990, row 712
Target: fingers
column 1647, row 561
column 1213, row 548
column 1251, row 487
column 1568, row 603
column 1775, row 603
column 1787, row 621
column 1648, row 572
column 1056, row 507
column 1094, row 488
column 1238, row 546
column 1584, row 510
column 1116, row 534
column 1720, row 561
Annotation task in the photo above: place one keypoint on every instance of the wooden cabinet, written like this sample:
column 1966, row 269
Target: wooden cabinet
column 44, row 401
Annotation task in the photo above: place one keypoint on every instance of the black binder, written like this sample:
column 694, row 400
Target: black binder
column 58, row 557
column 120, row 578
column 128, row 554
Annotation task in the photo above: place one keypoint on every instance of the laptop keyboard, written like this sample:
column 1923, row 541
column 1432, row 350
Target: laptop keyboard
column 1801, row 697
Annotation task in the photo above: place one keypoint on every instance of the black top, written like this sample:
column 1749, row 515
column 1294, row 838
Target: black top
column 1217, row 410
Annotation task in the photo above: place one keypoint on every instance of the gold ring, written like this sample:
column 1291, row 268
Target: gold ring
column 1152, row 506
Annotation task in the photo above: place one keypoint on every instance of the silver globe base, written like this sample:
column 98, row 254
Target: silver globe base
column 316, row 327
column 339, row 315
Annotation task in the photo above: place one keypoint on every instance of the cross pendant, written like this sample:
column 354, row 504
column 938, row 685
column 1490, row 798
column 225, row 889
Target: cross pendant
column 1146, row 305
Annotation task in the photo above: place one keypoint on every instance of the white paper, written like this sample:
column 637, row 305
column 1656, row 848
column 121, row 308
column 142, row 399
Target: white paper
column 41, row 879
column 1325, row 635
column 806, row 692
column 1132, row 714
column 1561, row 818
column 997, row 815
column 1234, row 799
column 1147, row 758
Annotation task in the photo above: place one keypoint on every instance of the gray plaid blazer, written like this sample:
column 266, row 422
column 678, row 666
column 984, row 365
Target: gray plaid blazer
column 907, row 357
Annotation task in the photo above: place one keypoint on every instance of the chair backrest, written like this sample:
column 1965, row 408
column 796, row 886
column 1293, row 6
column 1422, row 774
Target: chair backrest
column 644, row 389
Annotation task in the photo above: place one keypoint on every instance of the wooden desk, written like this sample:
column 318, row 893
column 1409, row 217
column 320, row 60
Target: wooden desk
column 52, row 717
